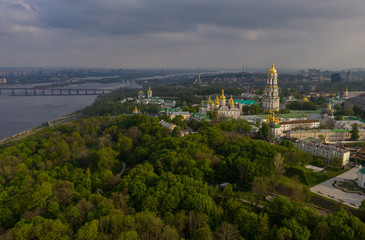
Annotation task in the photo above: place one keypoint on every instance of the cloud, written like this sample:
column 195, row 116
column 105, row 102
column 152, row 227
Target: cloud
column 137, row 28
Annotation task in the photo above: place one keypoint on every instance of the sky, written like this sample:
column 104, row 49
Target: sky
column 326, row 34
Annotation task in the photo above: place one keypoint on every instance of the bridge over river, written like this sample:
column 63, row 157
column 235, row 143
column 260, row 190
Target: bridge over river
column 52, row 91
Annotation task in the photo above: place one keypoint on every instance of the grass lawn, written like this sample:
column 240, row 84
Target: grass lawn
column 291, row 182
column 310, row 178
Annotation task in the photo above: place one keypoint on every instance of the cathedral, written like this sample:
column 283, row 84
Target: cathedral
column 271, row 99
column 220, row 105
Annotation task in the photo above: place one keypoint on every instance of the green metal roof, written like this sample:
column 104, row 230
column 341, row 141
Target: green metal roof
column 175, row 109
column 199, row 115
column 245, row 102
column 362, row 171
column 339, row 130
column 353, row 118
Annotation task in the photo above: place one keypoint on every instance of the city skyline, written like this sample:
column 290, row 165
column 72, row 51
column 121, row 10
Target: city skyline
column 182, row 34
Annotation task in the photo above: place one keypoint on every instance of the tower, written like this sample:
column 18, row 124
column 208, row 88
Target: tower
column 223, row 99
column 346, row 95
column 231, row 102
column 198, row 81
column 216, row 102
column 149, row 93
column 271, row 98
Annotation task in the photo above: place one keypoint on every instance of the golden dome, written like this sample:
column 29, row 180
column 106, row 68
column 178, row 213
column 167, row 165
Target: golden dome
column 305, row 99
column 222, row 96
column 231, row 102
column 272, row 69
column 216, row 101
column 329, row 105
column 347, row 92
column 149, row 90
column 135, row 110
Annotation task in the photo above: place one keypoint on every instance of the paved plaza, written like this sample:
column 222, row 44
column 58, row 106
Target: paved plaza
column 327, row 190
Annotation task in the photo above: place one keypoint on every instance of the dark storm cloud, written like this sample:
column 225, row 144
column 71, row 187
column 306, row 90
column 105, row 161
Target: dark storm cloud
column 147, row 33
column 154, row 16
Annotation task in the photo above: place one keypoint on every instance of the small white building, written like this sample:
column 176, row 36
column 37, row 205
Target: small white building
column 361, row 178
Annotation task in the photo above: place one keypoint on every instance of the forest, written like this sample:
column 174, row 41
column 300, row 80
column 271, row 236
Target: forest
column 127, row 177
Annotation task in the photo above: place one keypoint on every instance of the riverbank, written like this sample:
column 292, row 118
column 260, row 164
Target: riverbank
column 51, row 123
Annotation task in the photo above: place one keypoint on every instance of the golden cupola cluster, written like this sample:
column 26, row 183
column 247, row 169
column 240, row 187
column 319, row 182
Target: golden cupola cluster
column 231, row 102
column 216, row 101
column 136, row 110
column 271, row 119
column 222, row 96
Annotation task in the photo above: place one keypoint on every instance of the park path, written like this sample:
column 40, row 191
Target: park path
column 123, row 169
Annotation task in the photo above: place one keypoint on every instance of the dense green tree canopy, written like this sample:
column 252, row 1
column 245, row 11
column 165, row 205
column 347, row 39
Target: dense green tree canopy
column 126, row 177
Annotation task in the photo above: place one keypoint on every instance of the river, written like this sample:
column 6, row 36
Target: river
column 19, row 113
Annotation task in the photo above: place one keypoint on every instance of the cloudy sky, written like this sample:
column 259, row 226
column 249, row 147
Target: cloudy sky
column 182, row 33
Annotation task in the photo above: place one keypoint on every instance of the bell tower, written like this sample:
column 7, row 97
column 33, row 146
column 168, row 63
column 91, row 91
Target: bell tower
column 271, row 98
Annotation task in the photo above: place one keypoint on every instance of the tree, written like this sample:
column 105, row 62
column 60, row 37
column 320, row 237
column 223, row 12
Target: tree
column 337, row 162
column 107, row 158
column 362, row 206
column 339, row 118
column 355, row 132
column 7, row 219
column 176, row 132
column 245, row 168
column 264, row 132
column 203, row 233
column 322, row 231
column 259, row 187
column 287, row 143
column 283, row 234
column 309, row 106
column 279, row 165
column 227, row 231
column 296, row 105
column 89, row 231
column 299, row 231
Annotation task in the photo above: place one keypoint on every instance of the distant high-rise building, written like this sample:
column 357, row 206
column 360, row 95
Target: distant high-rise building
column 348, row 76
column 198, row 81
column 271, row 99
column 336, row 77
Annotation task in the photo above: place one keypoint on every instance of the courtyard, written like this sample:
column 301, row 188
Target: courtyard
column 326, row 189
